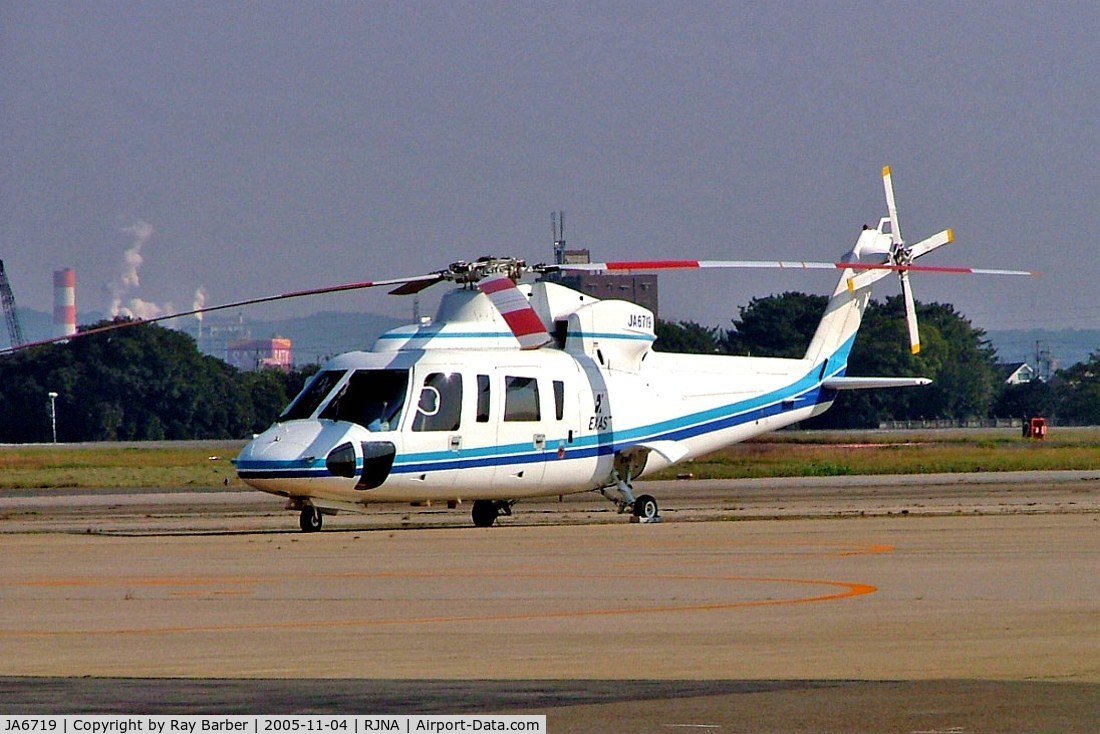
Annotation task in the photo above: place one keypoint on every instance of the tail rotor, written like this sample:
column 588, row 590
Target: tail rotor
column 902, row 257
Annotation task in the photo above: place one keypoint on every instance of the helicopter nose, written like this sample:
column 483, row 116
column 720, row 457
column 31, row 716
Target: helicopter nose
column 296, row 449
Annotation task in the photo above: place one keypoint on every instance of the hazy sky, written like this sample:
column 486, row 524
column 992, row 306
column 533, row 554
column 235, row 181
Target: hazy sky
column 255, row 148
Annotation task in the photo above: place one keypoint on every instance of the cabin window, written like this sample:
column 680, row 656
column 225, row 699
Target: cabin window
column 483, row 398
column 559, row 399
column 440, row 404
column 371, row 398
column 521, row 399
column 311, row 396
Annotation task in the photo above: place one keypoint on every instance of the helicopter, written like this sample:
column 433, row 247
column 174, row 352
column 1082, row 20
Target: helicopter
column 518, row 390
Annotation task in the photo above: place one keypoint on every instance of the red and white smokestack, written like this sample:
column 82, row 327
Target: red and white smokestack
column 64, row 302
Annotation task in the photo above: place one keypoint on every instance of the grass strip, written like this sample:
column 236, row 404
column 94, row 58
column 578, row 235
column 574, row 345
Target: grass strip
column 206, row 464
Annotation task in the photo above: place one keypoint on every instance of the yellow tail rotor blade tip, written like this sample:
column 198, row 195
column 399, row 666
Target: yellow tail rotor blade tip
column 886, row 170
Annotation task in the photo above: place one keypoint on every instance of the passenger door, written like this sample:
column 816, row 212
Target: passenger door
column 522, row 418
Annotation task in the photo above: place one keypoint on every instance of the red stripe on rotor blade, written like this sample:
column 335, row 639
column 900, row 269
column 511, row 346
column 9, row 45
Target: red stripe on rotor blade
column 495, row 284
column 516, row 310
column 413, row 286
column 524, row 322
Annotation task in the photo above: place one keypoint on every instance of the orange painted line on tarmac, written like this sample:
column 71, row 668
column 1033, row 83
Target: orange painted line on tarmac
column 868, row 550
column 847, row 590
column 165, row 581
column 90, row 581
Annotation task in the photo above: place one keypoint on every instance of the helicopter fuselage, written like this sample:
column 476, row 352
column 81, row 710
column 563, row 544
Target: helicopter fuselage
column 455, row 409
column 441, row 425
column 517, row 391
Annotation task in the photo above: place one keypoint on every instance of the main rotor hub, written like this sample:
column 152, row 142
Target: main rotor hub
column 467, row 273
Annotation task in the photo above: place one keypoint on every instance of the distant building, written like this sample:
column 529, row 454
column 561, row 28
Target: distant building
column 640, row 288
column 1017, row 373
column 214, row 337
column 257, row 354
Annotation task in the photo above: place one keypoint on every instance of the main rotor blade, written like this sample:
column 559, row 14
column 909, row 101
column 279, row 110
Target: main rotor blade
column 939, row 269
column 429, row 279
column 648, row 265
column 412, row 287
column 517, row 311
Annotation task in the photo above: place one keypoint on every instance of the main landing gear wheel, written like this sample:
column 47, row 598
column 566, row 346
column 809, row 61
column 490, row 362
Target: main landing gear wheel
column 486, row 512
column 310, row 519
column 645, row 509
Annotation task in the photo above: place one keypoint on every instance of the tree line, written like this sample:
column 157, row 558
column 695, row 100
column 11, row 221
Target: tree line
column 150, row 383
column 967, row 381
column 142, row 383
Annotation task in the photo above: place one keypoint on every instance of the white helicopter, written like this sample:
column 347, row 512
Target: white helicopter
column 518, row 391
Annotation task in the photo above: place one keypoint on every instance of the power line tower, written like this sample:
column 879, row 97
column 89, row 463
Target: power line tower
column 15, row 329
column 557, row 225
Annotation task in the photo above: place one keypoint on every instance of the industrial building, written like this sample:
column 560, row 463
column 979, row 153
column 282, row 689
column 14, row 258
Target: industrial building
column 257, row 354
column 639, row 288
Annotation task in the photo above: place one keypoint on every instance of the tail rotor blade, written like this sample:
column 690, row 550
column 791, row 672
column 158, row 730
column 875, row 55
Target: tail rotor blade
column 926, row 246
column 895, row 226
column 910, row 312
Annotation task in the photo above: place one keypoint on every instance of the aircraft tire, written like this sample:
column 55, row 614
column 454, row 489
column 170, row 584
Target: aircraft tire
column 485, row 513
column 310, row 520
column 645, row 507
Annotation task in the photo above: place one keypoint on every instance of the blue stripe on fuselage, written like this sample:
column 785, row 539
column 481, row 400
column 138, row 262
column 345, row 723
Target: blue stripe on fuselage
column 803, row 393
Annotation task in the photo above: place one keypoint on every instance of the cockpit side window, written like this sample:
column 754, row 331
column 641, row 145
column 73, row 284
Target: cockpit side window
column 440, row 404
column 371, row 398
column 311, row 396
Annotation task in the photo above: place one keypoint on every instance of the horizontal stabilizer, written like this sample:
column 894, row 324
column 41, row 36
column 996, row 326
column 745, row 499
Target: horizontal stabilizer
column 873, row 383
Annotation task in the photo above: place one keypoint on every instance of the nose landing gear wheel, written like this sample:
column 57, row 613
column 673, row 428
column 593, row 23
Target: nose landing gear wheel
column 645, row 509
column 310, row 519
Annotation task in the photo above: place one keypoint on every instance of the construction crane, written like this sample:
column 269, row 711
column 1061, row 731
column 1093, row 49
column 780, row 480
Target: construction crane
column 15, row 329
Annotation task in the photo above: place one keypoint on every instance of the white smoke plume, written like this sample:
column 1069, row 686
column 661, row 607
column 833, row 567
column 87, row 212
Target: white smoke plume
column 141, row 309
column 128, row 279
column 199, row 302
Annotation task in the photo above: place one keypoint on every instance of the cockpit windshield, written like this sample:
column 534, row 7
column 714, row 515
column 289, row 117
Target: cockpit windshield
column 372, row 398
column 311, row 397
